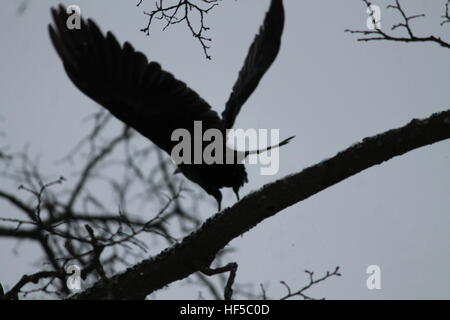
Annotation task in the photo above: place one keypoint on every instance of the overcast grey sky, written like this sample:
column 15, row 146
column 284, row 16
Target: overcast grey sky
column 325, row 87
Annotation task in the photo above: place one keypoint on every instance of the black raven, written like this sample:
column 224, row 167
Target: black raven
column 153, row 101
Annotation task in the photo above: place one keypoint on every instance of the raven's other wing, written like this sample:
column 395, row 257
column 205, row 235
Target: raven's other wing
column 139, row 93
column 262, row 53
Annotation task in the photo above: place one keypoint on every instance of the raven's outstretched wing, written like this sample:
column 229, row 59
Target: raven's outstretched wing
column 121, row 79
column 260, row 57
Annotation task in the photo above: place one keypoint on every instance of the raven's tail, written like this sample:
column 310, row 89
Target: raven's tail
column 282, row 143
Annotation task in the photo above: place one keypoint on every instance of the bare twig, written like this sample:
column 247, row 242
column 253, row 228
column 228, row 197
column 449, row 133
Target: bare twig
column 378, row 34
column 446, row 15
column 38, row 194
column 183, row 12
column 34, row 278
column 232, row 269
column 312, row 282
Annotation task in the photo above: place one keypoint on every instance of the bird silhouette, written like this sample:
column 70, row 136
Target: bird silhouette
column 152, row 101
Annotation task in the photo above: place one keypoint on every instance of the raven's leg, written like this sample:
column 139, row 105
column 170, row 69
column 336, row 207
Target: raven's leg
column 236, row 192
column 218, row 196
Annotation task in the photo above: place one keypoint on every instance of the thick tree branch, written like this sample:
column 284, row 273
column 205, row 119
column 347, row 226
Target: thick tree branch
column 18, row 234
column 34, row 278
column 197, row 251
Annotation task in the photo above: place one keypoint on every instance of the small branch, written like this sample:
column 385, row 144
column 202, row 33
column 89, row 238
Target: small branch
column 181, row 12
column 378, row 34
column 90, row 166
column 232, row 269
column 17, row 203
column 446, row 15
column 311, row 283
column 97, row 251
column 263, row 292
column 38, row 194
column 19, row 234
column 34, row 278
